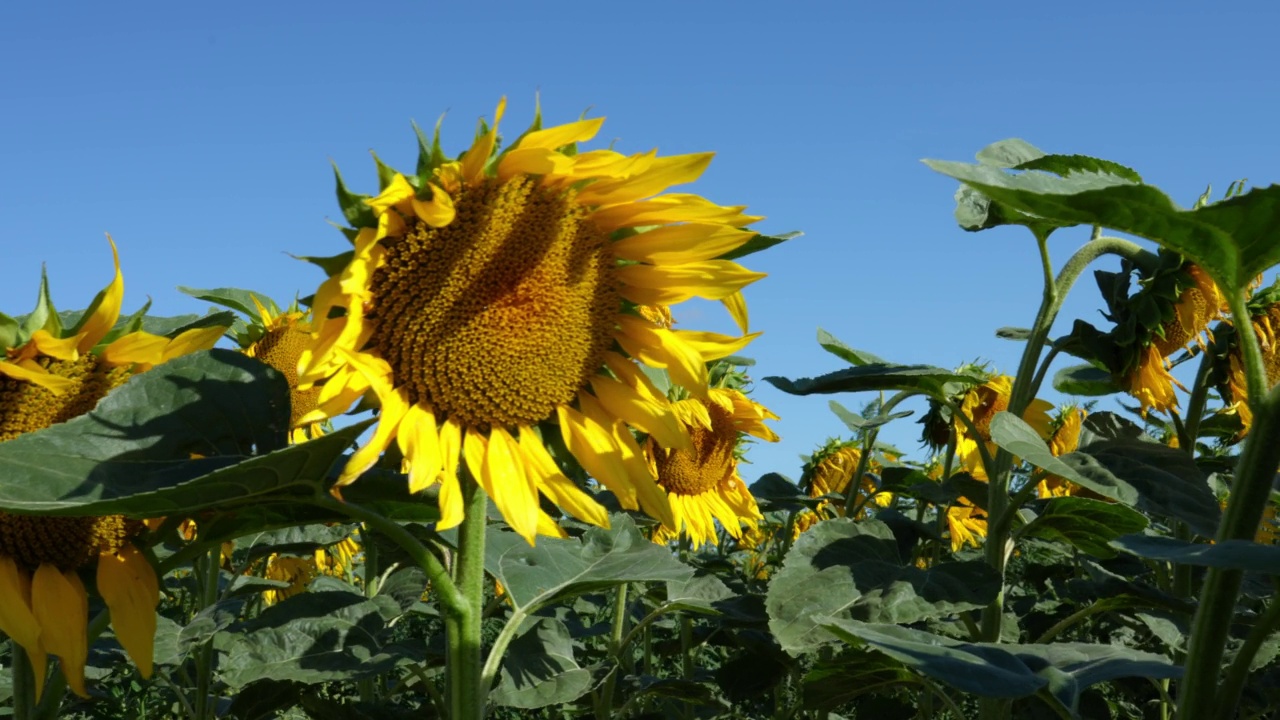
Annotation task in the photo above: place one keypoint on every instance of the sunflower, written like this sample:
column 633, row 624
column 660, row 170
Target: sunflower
column 281, row 339
column 1235, row 391
column 49, row 376
column 966, row 523
column 830, row 472
column 1065, row 439
column 980, row 405
column 701, row 481
column 1197, row 303
column 491, row 298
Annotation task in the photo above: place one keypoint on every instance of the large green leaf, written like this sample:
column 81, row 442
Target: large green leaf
column 857, row 423
column 833, row 345
column 315, row 637
column 554, row 569
column 131, row 455
column 1086, row 524
column 849, row 676
column 1085, row 380
column 986, row 670
column 539, row 670
column 843, row 568
column 1070, row 668
column 1229, row 554
column 1234, row 240
column 927, row 379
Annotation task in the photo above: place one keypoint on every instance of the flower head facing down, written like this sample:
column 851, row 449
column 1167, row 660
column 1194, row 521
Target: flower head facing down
column 980, row 405
column 490, row 299
column 49, row 376
column 1065, row 439
column 831, row 471
column 1265, row 319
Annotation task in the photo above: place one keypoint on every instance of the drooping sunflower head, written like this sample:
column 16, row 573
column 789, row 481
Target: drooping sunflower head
column 1264, row 312
column 830, row 471
column 702, row 481
column 1065, row 439
column 979, row 407
column 50, row 373
column 493, row 298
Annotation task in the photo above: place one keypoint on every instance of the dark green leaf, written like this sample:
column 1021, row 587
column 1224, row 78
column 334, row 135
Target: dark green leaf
column 9, row 332
column 1228, row 554
column 539, row 669
column 354, row 209
column 1085, row 380
column 922, row 378
column 1014, row 434
column 1013, row 333
column 758, row 243
column 331, row 265
column 850, row 675
column 1064, row 165
column 856, row 422
column 554, row 569
column 234, row 298
column 1070, row 668
column 833, row 345
column 1086, row 524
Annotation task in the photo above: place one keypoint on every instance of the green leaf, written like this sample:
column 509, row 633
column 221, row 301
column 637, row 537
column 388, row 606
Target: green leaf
column 234, row 298
column 1227, row 554
column 1153, row 478
column 1013, row 333
column 985, row 670
column 1234, row 240
column 313, row 637
column 1086, row 524
column 843, row 568
column 539, row 670
column 1012, row 433
column 1085, row 380
column 1071, row 668
column 554, row 569
column 131, row 455
column 1064, row 165
column 1009, row 153
column 331, row 265
column 927, row 379
column 758, row 243
column 854, row 357
column 857, row 423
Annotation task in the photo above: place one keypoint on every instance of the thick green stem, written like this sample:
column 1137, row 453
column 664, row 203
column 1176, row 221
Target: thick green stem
column 464, row 660
column 211, row 569
column 1233, row 685
column 23, row 676
column 851, row 493
column 1250, row 491
column 604, row 708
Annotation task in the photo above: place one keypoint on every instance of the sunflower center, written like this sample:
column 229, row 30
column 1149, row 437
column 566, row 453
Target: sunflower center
column 990, row 402
column 280, row 348
column 25, row 406
column 707, row 463
column 502, row 315
column 67, row 542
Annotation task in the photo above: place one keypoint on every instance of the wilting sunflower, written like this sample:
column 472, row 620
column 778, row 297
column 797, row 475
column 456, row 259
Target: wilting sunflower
column 1065, row 439
column 491, row 298
column 49, row 375
column 831, row 470
column 334, row 560
column 980, row 405
column 701, row 480
column 1265, row 319
column 1198, row 302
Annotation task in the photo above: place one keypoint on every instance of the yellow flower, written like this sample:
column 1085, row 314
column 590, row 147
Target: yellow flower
column 967, row 524
column 297, row 571
column 1199, row 302
column 1065, row 439
column 831, row 470
column 980, row 405
column 1235, row 391
column 1269, row 528
column 702, row 481
column 488, row 299
column 804, row 520
column 284, row 337
column 56, row 374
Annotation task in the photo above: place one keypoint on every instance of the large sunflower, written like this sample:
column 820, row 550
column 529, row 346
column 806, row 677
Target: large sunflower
column 49, row 376
column 491, row 298
column 980, row 405
column 701, row 480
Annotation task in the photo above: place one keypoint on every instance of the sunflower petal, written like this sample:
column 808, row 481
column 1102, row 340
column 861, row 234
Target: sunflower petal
column 506, row 481
column 420, row 442
column 556, row 485
column 128, row 585
column 438, row 211
column 36, row 376
column 394, row 407
column 660, row 348
column 16, row 618
column 560, row 135
column 475, row 159
column 104, row 310
column 713, row 346
column 451, row 503
column 593, row 447
column 652, row 498
column 736, row 304
column 396, row 192
column 662, row 174
column 61, row 606
column 647, row 416
column 670, row 208
column 671, row 284
column 676, row 244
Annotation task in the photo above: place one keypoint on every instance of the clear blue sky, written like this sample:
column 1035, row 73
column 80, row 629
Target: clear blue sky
column 199, row 135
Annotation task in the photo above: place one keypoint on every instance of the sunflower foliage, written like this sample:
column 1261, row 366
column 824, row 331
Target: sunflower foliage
column 298, row 524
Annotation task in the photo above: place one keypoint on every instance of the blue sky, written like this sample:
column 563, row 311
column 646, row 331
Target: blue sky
column 200, row 136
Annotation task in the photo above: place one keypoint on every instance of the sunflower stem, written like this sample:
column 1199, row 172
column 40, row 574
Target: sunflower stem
column 851, row 493
column 1250, row 490
column 464, row 662
column 210, row 569
column 604, row 709
column 1238, row 672
column 23, row 676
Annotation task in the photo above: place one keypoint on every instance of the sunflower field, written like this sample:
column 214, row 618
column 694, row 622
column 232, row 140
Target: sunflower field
column 483, row 468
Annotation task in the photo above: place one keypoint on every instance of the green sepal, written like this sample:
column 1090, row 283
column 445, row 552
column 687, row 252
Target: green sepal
column 430, row 156
column 354, row 209
column 234, row 298
column 758, row 243
column 45, row 315
column 9, row 331
column 331, row 265
column 133, row 323
column 386, row 173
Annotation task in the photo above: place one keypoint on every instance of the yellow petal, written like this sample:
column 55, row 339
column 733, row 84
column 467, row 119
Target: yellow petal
column 474, row 447
column 534, row 161
column 561, row 135
column 673, row 244
column 105, row 309
column 16, row 619
column 451, row 503
column 141, row 348
column 652, row 498
column 396, row 192
column 547, row 526
column 736, row 304
column 420, row 442
column 593, row 447
column 665, row 172
column 475, row 159
column 660, row 348
column 36, row 376
column 556, row 485
column 436, row 212
column 645, row 415
column 671, row 208
column 628, row 372
column 44, row 343
column 61, row 607
column 713, row 346
column 671, row 284
column 194, row 340
column 394, row 407
column 128, row 585
column 509, row 485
